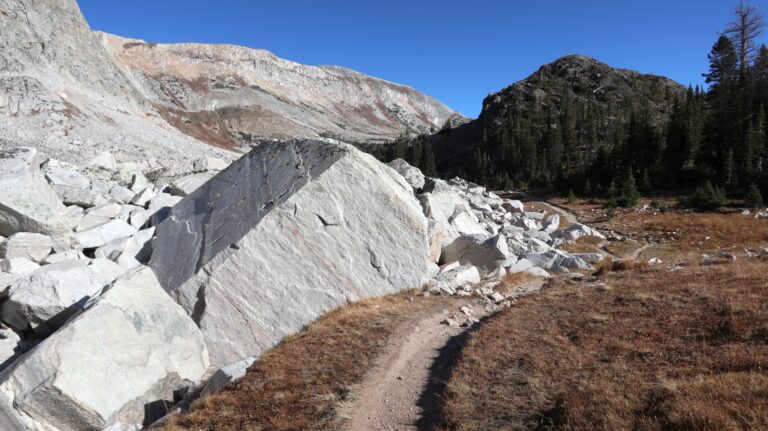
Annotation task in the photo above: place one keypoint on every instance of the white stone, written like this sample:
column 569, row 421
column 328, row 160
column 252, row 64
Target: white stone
column 465, row 223
column 527, row 224
column 513, row 206
column 435, row 233
column 103, row 160
column 64, row 257
column 27, row 202
column 61, row 176
column 589, row 257
column 160, row 206
column 18, row 266
column 139, row 182
column 551, row 223
column 131, row 346
column 43, row 300
column 9, row 347
column 184, row 186
column 85, row 198
column 286, row 233
column 478, row 250
column 210, row 164
column 33, row 246
column 128, row 252
column 137, row 217
column 104, row 233
column 225, row 376
column 521, row 265
column 121, row 194
column 450, row 280
column 537, row 272
column 537, row 246
column 143, row 196
column 412, row 175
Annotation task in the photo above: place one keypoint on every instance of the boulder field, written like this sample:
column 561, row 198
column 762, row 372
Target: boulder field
column 122, row 293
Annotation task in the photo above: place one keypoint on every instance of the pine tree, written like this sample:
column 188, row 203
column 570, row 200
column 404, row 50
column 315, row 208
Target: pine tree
column 723, row 124
column 413, row 155
column 401, row 146
column 754, row 199
column 627, row 192
column 428, row 158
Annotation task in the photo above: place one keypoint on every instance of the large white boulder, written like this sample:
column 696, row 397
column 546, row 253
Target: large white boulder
column 478, row 250
column 27, row 202
column 43, row 300
column 284, row 234
column 411, row 174
column 130, row 347
column 33, row 246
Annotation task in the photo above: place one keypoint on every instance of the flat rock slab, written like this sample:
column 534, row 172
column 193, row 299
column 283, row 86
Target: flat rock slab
column 285, row 234
column 27, row 202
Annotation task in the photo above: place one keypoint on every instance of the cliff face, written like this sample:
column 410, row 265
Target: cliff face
column 230, row 95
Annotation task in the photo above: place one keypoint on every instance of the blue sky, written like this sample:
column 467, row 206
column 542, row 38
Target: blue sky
column 455, row 51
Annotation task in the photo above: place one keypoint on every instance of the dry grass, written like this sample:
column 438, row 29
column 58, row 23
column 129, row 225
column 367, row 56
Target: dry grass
column 675, row 234
column 300, row 384
column 648, row 350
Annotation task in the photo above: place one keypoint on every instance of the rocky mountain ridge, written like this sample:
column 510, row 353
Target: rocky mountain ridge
column 74, row 93
column 576, row 101
column 242, row 95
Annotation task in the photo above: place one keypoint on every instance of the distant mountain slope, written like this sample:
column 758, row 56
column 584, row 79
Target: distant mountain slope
column 73, row 93
column 554, row 121
column 229, row 95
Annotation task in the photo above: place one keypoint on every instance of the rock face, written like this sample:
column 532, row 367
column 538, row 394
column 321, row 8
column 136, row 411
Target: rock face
column 286, row 233
column 126, row 350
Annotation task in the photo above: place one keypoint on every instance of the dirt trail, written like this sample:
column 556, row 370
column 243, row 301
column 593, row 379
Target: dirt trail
column 403, row 391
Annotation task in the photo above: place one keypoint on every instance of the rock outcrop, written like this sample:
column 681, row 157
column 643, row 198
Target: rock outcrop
column 286, row 233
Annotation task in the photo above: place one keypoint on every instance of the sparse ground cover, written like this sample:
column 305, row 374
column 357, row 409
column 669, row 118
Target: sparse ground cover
column 636, row 347
column 674, row 234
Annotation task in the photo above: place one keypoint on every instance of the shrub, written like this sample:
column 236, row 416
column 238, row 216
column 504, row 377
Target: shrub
column 706, row 198
column 571, row 196
column 754, row 198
